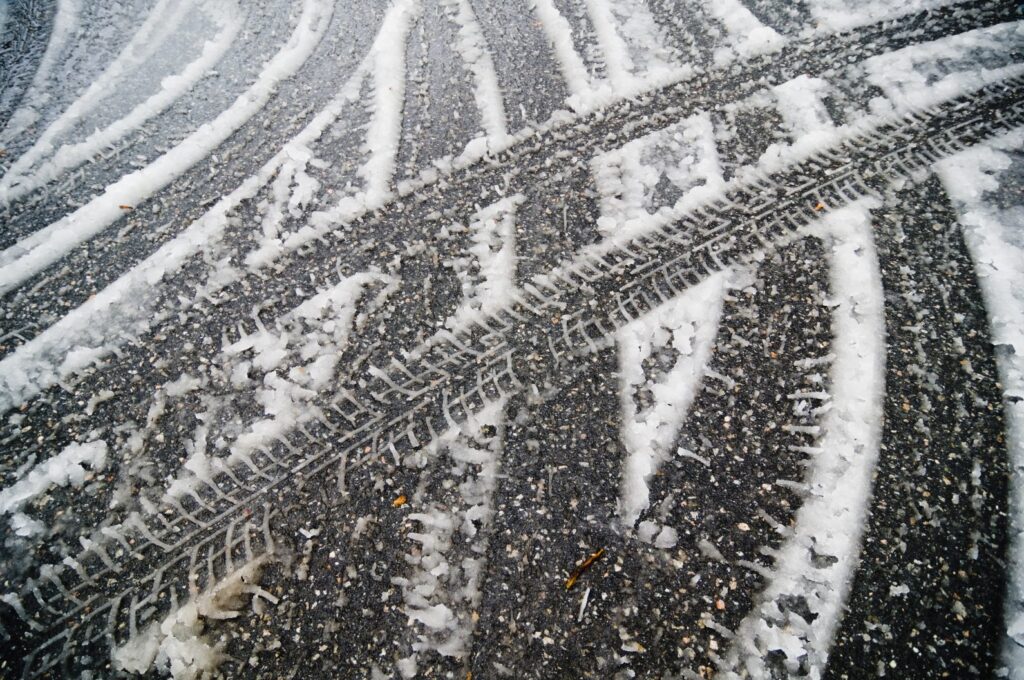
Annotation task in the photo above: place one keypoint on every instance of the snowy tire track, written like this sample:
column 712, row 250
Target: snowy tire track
column 309, row 401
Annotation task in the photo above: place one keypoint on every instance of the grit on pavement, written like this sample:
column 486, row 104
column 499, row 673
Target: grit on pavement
column 506, row 338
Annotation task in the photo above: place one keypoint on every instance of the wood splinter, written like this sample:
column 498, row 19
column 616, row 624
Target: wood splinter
column 578, row 571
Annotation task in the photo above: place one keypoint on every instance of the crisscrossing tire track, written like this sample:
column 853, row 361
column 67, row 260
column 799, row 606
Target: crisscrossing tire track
column 400, row 405
column 615, row 124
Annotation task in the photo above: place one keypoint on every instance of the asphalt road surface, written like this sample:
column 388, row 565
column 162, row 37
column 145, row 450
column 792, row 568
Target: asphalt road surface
column 494, row 338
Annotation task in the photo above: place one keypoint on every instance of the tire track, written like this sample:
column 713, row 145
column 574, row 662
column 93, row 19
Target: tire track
column 24, row 40
column 657, row 602
column 281, row 295
column 517, row 349
column 925, row 601
column 624, row 121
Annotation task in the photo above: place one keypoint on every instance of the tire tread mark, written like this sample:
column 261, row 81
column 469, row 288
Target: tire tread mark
column 492, row 368
column 630, row 119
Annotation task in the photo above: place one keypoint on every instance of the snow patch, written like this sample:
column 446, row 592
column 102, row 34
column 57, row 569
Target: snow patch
column 832, row 518
column 682, row 155
column 842, row 15
column 65, row 468
column 747, row 37
column 995, row 241
column 686, row 328
column 800, row 104
column 177, row 645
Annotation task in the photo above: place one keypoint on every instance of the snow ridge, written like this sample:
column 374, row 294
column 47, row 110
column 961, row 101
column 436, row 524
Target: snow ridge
column 832, row 518
column 28, row 173
column 44, row 247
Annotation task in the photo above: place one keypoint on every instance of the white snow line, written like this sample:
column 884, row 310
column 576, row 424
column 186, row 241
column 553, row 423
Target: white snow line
column 59, row 470
column 388, row 74
column 64, row 22
column 688, row 324
column 40, row 250
column 385, row 62
column 21, row 179
column 618, row 63
column 472, row 47
column 833, row 516
column 993, row 240
column 559, row 34
column 843, row 15
column 124, row 307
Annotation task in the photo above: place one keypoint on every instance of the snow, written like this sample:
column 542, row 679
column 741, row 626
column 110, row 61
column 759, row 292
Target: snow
column 32, row 170
column 642, row 38
column 634, row 56
column 748, row 37
column 559, row 35
column 297, row 357
column 617, row 60
column 60, row 470
column 388, row 74
column 842, row 15
column 994, row 240
column 177, row 644
column 683, row 153
column 492, row 234
column 924, row 75
column 834, row 513
column 123, row 308
column 472, row 47
column 65, row 22
column 386, row 66
column 799, row 102
column 919, row 76
column 442, row 590
column 688, row 325
column 47, row 245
